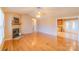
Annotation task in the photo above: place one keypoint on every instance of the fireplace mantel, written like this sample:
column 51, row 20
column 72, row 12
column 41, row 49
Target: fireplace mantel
column 15, row 26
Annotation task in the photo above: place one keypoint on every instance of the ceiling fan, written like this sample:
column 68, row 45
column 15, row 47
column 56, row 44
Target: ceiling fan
column 40, row 12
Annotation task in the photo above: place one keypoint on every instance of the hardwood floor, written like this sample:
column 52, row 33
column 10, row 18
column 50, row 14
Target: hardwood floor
column 38, row 42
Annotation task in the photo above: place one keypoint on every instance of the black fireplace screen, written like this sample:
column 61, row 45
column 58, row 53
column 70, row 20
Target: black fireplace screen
column 15, row 32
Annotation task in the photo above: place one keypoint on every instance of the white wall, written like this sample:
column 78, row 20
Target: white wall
column 48, row 26
column 26, row 24
column 45, row 25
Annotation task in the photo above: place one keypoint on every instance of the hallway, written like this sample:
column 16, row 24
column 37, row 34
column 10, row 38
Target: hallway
column 37, row 42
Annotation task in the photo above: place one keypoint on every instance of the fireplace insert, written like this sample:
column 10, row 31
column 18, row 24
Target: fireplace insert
column 15, row 32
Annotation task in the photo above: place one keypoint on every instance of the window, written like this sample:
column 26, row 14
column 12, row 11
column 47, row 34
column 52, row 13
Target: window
column 75, row 25
column 72, row 25
column 1, row 26
column 68, row 26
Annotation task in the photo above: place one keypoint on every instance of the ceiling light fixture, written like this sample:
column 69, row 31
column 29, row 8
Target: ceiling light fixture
column 38, row 15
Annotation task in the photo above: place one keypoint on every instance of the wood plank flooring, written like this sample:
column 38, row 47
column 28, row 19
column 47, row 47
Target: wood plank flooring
column 38, row 42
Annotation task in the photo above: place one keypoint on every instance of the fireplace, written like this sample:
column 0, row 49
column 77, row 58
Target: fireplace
column 15, row 32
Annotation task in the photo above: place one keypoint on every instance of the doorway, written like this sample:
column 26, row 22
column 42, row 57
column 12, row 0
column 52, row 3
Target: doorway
column 34, row 22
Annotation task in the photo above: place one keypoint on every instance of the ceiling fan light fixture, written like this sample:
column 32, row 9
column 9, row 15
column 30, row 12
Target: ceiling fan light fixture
column 38, row 14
